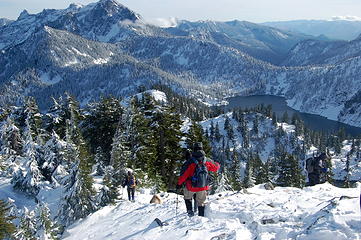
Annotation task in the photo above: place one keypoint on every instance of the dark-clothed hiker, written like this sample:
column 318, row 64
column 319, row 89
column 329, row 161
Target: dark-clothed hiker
column 316, row 169
column 196, row 179
column 131, row 183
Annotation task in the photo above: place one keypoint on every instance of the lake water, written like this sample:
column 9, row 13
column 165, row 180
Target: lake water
column 279, row 106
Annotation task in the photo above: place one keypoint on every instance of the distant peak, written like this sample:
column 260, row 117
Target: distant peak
column 113, row 7
column 23, row 14
column 110, row 4
column 75, row 6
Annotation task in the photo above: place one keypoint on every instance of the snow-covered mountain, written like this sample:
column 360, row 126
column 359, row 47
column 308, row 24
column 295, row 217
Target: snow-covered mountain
column 313, row 52
column 4, row 21
column 106, row 21
column 335, row 29
column 52, row 61
column 265, row 43
column 44, row 61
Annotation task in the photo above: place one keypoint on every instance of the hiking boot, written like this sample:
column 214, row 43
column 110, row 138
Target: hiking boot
column 201, row 211
column 190, row 213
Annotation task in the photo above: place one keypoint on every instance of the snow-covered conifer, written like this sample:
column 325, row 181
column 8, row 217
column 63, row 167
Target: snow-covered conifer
column 28, row 227
column 7, row 228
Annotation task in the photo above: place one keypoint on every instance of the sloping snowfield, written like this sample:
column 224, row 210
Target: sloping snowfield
column 322, row 212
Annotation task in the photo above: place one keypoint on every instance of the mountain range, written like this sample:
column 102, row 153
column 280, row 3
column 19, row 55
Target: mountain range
column 104, row 48
column 338, row 29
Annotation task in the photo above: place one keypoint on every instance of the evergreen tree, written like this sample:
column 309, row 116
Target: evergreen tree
column 143, row 145
column 212, row 131
column 217, row 134
column 109, row 192
column 27, row 229
column 55, row 118
column 290, row 174
column 255, row 124
column 235, row 171
column 195, row 134
column 45, row 228
column 77, row 201
column 100, row 125
column 260, row 170
column 347, row 172
column 55, row 163
column 10, row 139
column 28, row 178
column 285, row 117
column 7, row 228
column 99, row 162
column 11, row 147
column 32, row 120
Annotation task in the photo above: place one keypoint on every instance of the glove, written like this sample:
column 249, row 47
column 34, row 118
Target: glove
column 178, row 187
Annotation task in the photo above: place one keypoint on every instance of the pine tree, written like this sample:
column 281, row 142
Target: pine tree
column 249, row 175
column 260, row 170
column 45, row 228
column 195, row 134
column 347, row 171
column 77, row 201
column 255, row 124
column 11, row 147
column 285, row 117
column 33, row 120
column 55, row 118
column 217, row 134
column 100, row 125
column 143, row 145
column 109, row 192
column 28, row 178
column 99, row 162
column 234, row 172
column 7, row 228
column 10, row 139
column 55, row 161
column 212, row 131
column 290, row 174
column 27, row 229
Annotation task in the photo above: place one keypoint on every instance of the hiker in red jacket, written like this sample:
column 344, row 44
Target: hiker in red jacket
column 196, row 179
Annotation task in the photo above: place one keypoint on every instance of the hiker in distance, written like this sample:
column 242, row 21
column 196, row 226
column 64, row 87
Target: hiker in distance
column 131, row 183
column 196, row 179
column 316, row 169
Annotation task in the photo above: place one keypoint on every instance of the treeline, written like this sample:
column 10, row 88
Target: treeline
column 68, row 146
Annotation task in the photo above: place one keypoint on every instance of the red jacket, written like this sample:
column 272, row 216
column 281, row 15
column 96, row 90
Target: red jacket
column 213, row 167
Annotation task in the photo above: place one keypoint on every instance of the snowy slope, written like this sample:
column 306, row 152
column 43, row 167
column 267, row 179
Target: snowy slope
column 321, row 212
column 264, row 143
column 265, row 43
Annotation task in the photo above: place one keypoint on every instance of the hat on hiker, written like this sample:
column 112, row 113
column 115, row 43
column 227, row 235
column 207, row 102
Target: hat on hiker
column 197, row 146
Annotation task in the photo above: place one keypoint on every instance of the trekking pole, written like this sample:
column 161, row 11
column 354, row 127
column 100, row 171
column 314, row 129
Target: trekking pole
column 176, row 206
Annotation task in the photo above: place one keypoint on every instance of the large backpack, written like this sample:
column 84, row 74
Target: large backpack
column 185, row 165
column 200, row 176
column 310, row 165
column 131, row 181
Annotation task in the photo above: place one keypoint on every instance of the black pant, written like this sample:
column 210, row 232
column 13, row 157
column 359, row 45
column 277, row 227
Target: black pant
column 131, row 193
column 314, row 179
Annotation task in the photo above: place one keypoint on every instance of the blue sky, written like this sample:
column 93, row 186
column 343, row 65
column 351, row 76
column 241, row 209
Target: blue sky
column 251, row 10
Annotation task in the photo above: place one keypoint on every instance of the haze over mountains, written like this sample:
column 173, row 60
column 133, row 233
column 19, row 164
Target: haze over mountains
column 337, row 29
column 105, row 48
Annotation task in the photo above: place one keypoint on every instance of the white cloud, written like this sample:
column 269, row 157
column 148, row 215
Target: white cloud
column 346, row 18
column 163, row 22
